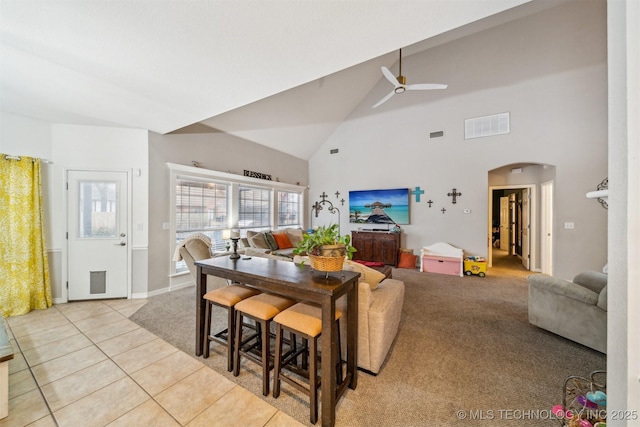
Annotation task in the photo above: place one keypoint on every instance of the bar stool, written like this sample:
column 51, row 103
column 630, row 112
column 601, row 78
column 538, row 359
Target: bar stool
column 305, row 320
column 226, row 297
column 262, row 309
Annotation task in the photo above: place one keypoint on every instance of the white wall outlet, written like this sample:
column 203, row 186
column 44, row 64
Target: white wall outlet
column 569, row 226
column 467, row 211
column 139, row 226
column 166, row 225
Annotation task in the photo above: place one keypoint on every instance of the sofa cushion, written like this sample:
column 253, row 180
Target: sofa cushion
column 282, row 239
column 256, row 240
column 602, row 299
column 367, row 274
column 271, row 241
column 295, row 235
column 593, row 280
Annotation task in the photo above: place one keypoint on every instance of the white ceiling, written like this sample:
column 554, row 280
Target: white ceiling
column 283, row 73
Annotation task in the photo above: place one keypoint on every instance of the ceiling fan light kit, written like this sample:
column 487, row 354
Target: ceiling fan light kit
column 400, row 83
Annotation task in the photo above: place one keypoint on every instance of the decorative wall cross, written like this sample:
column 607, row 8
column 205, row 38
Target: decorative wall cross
column 417, row 192
column 337, row 193
column 342, row 202
column 443, row 210
column 430, row 202
column 323, row 196
column 454, row 194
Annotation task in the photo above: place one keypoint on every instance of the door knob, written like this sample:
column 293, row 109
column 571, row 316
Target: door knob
column 119, row 244
column 122, row 235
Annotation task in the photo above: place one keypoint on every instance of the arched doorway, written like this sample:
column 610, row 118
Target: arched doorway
column 514, row 213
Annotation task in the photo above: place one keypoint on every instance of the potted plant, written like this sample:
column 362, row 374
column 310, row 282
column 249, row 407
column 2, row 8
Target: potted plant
column 326, row 248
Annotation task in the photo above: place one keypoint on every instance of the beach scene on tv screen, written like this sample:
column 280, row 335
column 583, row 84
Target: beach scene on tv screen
column 379, row 206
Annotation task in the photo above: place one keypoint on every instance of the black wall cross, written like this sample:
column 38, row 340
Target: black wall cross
column 454, row 194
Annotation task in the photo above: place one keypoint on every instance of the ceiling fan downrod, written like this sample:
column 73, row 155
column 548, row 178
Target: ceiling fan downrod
column 401, row 79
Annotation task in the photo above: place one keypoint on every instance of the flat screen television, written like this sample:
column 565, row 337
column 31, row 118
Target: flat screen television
column 389, row 206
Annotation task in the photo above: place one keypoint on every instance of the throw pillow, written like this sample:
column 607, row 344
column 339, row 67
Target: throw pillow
column 367, row 274
column 282, row 239
column 407, row 260
column 271, row 241
column 256, row 240
column 295, row 235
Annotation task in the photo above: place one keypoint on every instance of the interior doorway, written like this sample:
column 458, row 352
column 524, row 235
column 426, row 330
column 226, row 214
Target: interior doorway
column 512, row 219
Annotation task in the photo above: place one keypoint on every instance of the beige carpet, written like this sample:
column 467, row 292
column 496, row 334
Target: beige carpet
column 464, row 345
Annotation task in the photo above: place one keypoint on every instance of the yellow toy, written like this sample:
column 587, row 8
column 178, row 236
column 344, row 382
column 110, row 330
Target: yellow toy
column 475, row 265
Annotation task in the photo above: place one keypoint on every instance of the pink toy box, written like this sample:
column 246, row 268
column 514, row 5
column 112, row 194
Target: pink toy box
column 441, row 258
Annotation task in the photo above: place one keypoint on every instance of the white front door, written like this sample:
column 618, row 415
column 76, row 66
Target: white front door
column 97, row 235
column 526, row 215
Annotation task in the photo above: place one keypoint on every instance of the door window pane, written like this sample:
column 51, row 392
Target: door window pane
column 98, row 206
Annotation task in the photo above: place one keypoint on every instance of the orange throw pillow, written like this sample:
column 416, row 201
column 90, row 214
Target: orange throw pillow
column 407, row 260
column 283, row 241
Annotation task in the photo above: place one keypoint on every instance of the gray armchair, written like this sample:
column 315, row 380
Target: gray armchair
column 575, row 310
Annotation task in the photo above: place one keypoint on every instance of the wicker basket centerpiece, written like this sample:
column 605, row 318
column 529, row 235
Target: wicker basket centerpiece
column 330, row 258
column 326, row 248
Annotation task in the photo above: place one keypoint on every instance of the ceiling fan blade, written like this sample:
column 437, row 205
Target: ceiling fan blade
column 385, row 99
column 389, row 75
column 425, row 86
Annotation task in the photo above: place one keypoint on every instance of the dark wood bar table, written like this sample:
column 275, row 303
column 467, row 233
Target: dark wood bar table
column 288, row 279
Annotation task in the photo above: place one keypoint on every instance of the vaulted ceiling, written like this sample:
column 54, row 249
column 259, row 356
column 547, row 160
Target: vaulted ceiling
column 283, row 73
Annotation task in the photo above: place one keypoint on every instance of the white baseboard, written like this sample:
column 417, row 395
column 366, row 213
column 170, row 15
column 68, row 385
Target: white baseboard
column 144, row 295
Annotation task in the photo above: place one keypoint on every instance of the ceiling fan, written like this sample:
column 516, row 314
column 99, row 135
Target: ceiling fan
column 400, row 83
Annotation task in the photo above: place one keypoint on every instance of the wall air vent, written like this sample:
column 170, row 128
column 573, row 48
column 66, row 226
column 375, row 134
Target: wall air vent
column 479, row 127
column 437, row 134
column 333, row 151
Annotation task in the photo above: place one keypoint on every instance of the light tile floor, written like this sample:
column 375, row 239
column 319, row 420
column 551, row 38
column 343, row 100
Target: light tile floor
column 86, row 364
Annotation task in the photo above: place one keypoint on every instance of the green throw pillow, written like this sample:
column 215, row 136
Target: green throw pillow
column 271, row 241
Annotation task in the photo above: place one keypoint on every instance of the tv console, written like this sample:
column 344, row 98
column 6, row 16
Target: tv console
column 379, row 246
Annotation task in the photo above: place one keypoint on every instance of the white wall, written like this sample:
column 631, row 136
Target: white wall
column 549, row 71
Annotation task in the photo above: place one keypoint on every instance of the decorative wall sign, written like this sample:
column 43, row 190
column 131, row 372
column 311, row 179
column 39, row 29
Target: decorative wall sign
column 454, row 194
column 260, row 175
column 417, row 192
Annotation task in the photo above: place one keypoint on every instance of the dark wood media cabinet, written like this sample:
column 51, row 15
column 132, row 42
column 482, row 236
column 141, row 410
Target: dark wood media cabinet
column 380, row 246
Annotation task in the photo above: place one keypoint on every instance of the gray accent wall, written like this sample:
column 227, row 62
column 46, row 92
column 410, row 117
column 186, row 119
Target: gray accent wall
column 215, row 151
column 549, row 71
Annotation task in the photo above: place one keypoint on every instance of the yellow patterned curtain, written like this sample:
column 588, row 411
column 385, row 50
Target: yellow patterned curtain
column 24, row 269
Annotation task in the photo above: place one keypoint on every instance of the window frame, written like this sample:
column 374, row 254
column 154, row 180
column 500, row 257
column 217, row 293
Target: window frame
column 234, row 181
